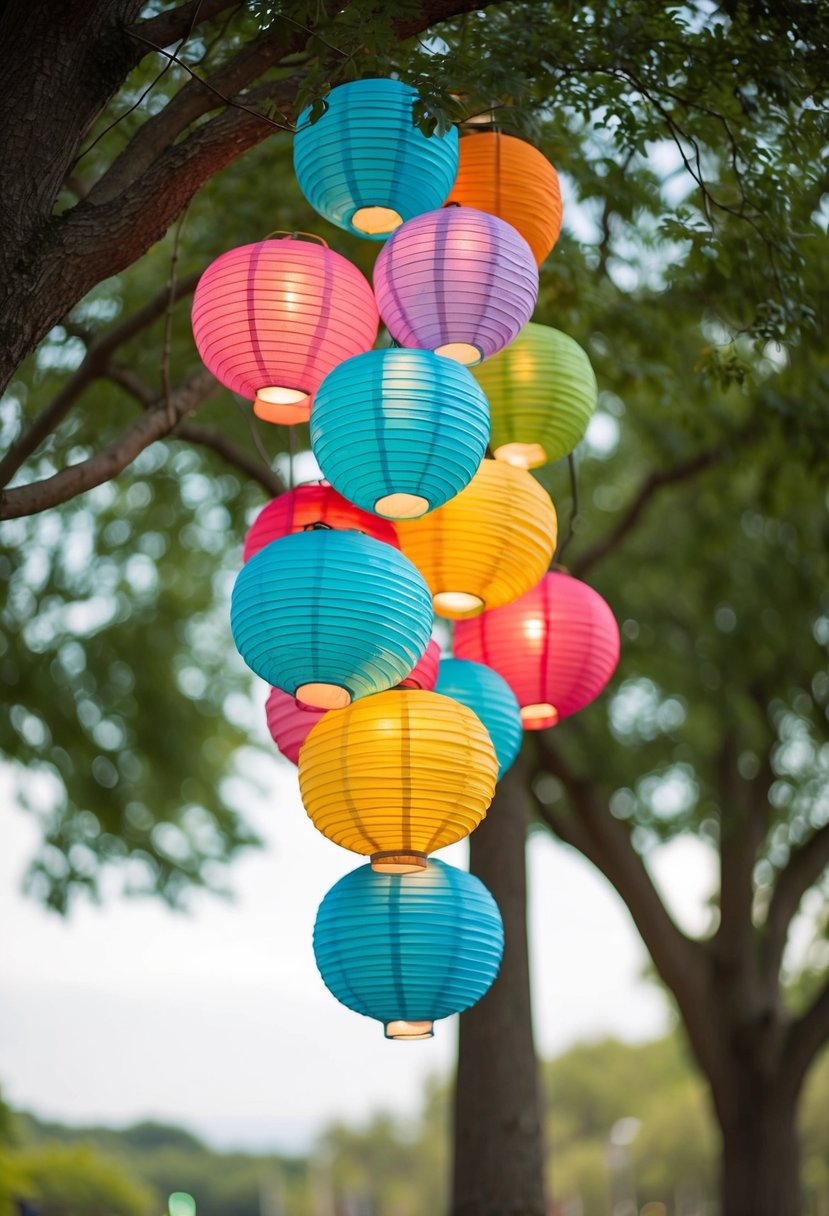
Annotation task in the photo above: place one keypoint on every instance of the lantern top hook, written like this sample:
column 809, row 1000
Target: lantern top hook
column 282, row 234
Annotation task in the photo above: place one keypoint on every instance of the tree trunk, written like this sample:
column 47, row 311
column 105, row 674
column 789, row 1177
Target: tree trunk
column 499, row 1156
column 760, row 1165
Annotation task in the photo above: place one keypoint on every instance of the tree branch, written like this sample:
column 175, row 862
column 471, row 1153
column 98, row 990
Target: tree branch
column 169, row 27
column 652, row 484
column 743, row 824
column 252, row 466
column 111, row 460
column 804, row 868
column 807, row 1034
column 94, row 365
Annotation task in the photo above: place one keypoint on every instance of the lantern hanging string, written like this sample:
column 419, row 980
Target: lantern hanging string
column 291, row 456
column 574, row 510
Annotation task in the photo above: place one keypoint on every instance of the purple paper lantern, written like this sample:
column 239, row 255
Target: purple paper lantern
column 457, row 281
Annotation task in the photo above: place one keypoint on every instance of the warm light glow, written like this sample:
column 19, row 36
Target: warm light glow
column 533, row 628
column 282, row 405
column 540, row 716
column 323, row 696
column 458, row 604
column 376, row 220
column 402, row 506
column 522, row 455
column 398, row 862
column 461, row 352
column 409, row 1031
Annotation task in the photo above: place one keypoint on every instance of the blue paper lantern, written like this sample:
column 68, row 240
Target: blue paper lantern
column 408, row 949
column 399, row 432
column 365, row 166
column 330, row 616
column 488, row 695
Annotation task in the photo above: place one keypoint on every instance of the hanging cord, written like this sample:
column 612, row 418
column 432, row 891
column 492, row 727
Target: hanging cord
column 574, row 510
column 168, row 320
column 291, row 456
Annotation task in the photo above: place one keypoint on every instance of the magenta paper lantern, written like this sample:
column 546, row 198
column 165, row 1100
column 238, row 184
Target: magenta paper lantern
column 556, row 646
column 317, row 503
column 271, row 320
column 457, row 281
column 290, row 723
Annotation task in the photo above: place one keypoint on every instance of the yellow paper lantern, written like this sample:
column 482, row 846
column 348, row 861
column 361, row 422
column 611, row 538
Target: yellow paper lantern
column 397, row 775
column 488, row 545
column 510, row 178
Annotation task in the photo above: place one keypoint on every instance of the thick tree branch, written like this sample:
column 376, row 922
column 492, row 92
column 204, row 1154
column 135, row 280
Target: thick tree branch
column 246, row 462
column 744, row 816
column 111, row 460
column 804, row 868
column 94, row 365
column 169, row 27
column 807, row 1035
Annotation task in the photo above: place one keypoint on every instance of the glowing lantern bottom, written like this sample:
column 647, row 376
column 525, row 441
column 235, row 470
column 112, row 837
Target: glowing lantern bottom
column 408, row 949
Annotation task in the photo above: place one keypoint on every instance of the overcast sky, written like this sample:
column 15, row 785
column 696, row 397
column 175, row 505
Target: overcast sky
column 219, row 1020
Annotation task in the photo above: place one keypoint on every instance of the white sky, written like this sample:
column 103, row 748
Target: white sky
column 219, row 1020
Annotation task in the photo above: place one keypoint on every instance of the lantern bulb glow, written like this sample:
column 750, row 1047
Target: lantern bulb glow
column 540, row 716
column 461, row 352
column 376, row 221
column 322, row 696
column 522, row 455
column 397, row 862
column 457, row 604
column 409, row 1031
column 402, row 506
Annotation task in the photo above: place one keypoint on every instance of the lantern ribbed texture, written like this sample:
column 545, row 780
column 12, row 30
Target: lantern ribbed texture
column 397, row 776
column 486, row 546
column 298, row 509
column 542, row 392
column 365, row 152
column 272, row 319
column 330, row 608
column 490, row 697
column 399, row 432
column 511, row 179
column 290, row 723
column 556, row 647
column 408, row 948
column 456, row 277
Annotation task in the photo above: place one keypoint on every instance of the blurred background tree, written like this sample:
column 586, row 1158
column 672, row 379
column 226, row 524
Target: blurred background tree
column 691, row 143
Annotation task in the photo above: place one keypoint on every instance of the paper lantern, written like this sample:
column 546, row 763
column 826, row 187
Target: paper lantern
column 557, row 647
column 298, row 509
column 272, row 319
column 486, row 546
column 510, row 178
column 399, row 432
column 291, row 723
column 456, row 281
column 542, row 392
column 330, row 616
column 397, row 776
column 365, row 166
column 489, row 697
column 408, row 949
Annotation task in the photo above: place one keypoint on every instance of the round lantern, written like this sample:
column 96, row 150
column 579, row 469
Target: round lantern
column 290, row 723
column 511, row 179
column 272, row 319
column 557, row 647
column 490, row 697
column 399, row 432
column 486, row 546
column 456, row 281
column 365, row 166
column 408, row 949
column 330, row 616
column 397, row 776
column 299, row 509
column 542, row 392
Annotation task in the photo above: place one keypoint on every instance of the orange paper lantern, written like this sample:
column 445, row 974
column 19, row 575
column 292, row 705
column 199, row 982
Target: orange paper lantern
column 511, row 179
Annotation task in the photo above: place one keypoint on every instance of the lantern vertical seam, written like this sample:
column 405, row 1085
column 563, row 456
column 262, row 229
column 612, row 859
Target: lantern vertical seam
column 395, row 960
column 253, row 266
column 439, row 278
column 323, row 322
column 406, row 773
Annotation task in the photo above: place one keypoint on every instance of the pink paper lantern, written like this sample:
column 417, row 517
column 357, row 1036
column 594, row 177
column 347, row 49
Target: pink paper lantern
column 290, row 723
column 456, row 281
column 556, row 646
column 298, row 509
column 271, row 320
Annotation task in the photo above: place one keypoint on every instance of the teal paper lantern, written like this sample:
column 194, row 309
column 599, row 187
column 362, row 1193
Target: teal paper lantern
column 489, row 696
column 408, row 949
column 399, row 432
column 330, row 616
column 365, row 166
